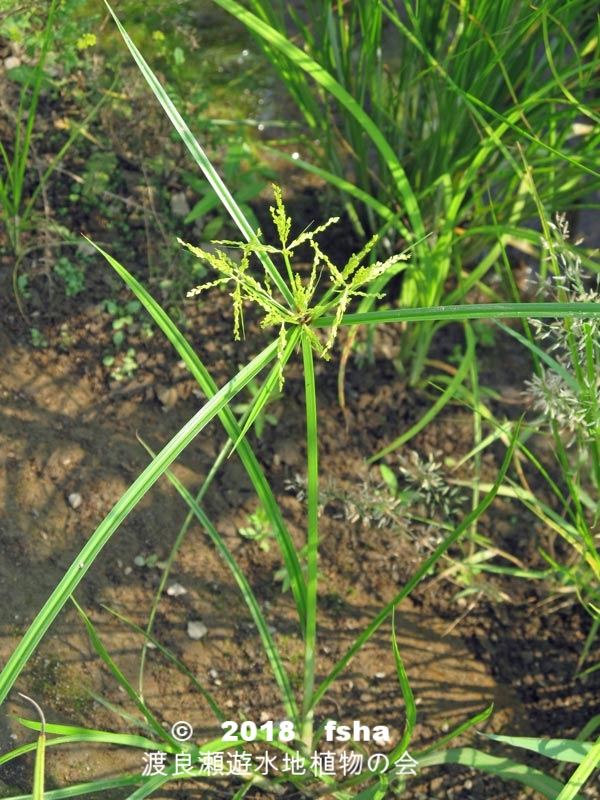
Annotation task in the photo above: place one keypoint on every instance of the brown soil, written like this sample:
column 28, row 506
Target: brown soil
column 67, row 428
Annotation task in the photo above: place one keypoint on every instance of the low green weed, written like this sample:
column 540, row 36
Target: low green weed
column 95, row 180
column 123, row 365
column 126, row 325
column 258, row 529
column 72, row 275
column 37, row 338
column 149, row 562
column 126, row 320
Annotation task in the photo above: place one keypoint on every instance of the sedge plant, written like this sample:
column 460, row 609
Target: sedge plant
column 304, row 316
column 301, row 716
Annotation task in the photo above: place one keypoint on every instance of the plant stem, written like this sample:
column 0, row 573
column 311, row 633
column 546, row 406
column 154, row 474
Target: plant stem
column 312, row 462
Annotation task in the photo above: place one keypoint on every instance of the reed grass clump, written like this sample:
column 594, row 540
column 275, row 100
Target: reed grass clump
column 430, row 118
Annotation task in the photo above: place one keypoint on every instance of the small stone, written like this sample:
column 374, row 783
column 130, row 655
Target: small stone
column 167, row 396
column 12, row 62
column 196, row 629
column 86, row 249
column 179, row 205
column 176, row 590
column 75, row 500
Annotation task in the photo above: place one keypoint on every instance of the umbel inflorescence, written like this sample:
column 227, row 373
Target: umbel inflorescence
column 299, row 306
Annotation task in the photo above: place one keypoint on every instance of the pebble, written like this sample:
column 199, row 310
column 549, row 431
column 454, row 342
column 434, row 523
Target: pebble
column 176, row 590
column 75, row 500
column 86, row 249
column 179, row 205
column 196, row 629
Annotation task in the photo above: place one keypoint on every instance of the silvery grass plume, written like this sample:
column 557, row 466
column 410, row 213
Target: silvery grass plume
column 370, row 503
column 426, row 478
column 420, row 489
column 565, row 391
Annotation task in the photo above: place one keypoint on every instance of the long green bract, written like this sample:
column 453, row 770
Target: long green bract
column 467, row 312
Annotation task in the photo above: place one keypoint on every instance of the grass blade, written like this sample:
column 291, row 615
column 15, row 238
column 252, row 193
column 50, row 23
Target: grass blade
column 121, row 679
column 504, row 768
column 559, row 749
column 581, row 774
column 95, row 788
column 270, row 648
column 67, row 734
column 407, row 695
column 173, row 659
column 40, row 753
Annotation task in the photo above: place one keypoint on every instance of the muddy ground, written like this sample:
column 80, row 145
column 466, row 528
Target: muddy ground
column 69, row 448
